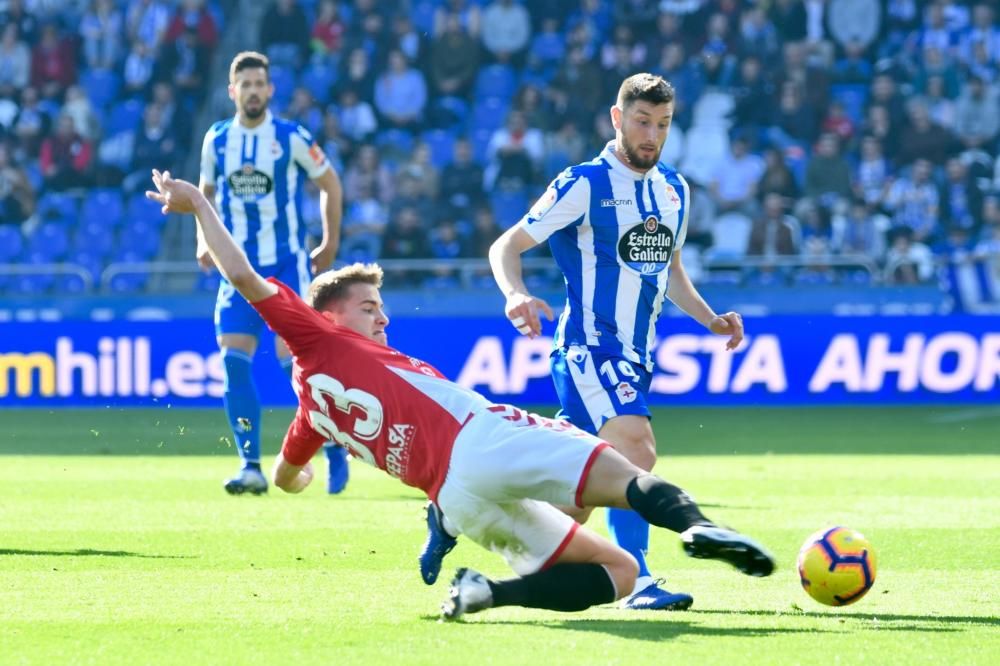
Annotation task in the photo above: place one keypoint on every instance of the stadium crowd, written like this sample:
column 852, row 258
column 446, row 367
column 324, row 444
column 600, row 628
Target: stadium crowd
column 808, row 129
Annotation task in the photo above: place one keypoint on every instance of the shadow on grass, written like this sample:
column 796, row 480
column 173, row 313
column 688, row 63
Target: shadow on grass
column 642, row 628
column 869, row 617
column 89, row 552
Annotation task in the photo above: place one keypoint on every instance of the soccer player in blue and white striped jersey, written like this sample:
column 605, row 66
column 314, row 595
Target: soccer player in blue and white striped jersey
column 616, row 227
column 254, row 166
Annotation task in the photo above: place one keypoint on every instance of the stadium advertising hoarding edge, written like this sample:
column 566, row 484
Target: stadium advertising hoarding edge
column 785, row 360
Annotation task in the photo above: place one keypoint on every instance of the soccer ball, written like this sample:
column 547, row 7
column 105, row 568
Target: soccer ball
column 837, row 566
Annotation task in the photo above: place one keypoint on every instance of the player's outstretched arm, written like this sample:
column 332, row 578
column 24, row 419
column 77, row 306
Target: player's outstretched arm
column 505, row 260
column 180, row 196
column 682, row 292
column 291, row 478
column 331, row 207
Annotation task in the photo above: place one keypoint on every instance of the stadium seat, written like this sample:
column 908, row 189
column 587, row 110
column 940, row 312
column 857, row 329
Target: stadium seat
column 480, row 140
column 853, row 97
column 731, row 232
column 497, row 81
column 93, row 238
column 31, row 284
column 11, row 243
column 422, row 15
column 91, row 262
column 104, row 206
column 124, row 117
column 283, row 79
column 49, row 242
column 396, row 144
column 141, row 238
column 441, row 144
column 705, row 147
column 70, row 284
column 449, row 112
column 101, row 86
column 489, row 113
column 319, row 79
column 141, row 209
column 508, row 206
column 125, row 283
column 57, row 206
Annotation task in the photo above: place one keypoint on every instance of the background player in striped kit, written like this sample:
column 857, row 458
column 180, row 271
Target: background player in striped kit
column 254, row 165
column 616, row 226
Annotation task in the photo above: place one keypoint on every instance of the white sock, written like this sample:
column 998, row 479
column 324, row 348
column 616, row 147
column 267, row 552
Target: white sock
column 641, row 583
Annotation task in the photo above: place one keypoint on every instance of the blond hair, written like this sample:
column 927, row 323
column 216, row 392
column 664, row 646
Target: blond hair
column 332, row 286
column 248, row 60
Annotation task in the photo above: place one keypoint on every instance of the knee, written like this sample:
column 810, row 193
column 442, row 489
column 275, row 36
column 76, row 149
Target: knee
column 624, row 571
column 640, row 451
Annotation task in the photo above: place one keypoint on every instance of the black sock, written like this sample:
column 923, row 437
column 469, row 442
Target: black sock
column 252, row 465
column 562, row 587
column 663, row 504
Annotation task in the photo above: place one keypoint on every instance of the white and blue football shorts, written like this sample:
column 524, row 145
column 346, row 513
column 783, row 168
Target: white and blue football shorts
column 594, row 386
column 232, row 312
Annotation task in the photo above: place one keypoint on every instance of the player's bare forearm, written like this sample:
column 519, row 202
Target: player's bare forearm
column 179, row 196
column 291, row 478
column 505, row 260
column 230, row 259
column 522, row 309
column 331, row 209
column 684, row 295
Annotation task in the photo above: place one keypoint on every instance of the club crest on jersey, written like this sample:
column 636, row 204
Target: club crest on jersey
column 626, row 392
column 646, row 247
column 672, row 195
column 249, row 184
column 544, row 203
column 276, row 150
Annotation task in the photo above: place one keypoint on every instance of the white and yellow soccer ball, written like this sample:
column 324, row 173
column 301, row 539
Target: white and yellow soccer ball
column 837, row 566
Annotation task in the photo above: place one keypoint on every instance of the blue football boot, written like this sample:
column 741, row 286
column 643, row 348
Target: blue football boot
column 439, row 543
column 338, row 471
column 249, row 480
column 654, row 597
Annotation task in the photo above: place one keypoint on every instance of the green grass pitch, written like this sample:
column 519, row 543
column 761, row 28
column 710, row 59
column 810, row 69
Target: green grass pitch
column 118, row 546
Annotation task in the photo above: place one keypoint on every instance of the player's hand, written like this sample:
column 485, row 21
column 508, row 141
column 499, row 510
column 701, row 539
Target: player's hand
column 731, row 324
column 522, row 311
column 322, row 257
column 174, row 195
column 205, row 259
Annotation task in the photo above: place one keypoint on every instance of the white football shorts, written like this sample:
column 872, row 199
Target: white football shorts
column 507, row 469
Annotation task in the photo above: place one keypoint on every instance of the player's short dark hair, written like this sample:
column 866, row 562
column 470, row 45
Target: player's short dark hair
column 647, row 87
column 332, row 286
column 249, row 60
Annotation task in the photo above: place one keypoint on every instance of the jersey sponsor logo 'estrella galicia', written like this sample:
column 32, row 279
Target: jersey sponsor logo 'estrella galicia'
column 646, row 247
column 614, row 203
column 250, row 184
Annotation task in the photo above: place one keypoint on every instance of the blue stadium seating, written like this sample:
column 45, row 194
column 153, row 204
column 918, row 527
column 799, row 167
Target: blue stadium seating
column 125, row 283
column 141, row 209
column 319, row 78
column 124, row 117
column 70, row 284
column 422, row 15
column 32, row 284
column 94, row 238
column 489, row 113
column 853, row 96
column 104, row 206
column 49, row 242
column 11, row 243
column 101, row 86
column 442, row 145
column 283, row 79
column 508, row 206
column 496, row 81
column 141, row 238
column 57, row 206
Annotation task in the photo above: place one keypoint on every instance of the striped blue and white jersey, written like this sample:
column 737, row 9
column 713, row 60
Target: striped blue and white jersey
column 612, row 232
column 259, row 173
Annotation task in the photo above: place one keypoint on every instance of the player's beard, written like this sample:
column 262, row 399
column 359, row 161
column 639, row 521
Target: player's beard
column 253, row 113
column 633, row 156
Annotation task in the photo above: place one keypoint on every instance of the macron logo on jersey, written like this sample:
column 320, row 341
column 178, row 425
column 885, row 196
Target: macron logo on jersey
column 614, row 203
